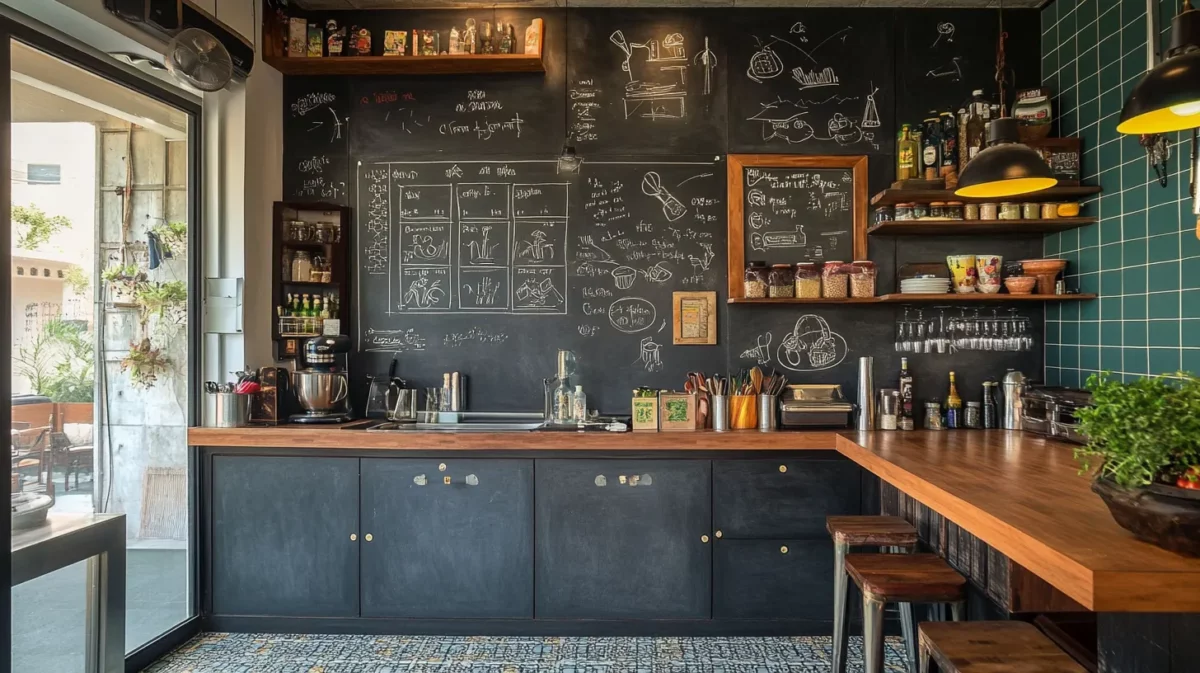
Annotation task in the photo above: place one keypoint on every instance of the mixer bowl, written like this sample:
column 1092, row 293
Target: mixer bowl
column 321, row 392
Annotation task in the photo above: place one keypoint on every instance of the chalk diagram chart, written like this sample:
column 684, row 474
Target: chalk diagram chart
column 811, row 346
column 809, row 115
column 776, row 200
column 658, row 75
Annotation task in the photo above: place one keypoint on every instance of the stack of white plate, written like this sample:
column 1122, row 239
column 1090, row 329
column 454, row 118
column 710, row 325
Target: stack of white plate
column 925, row 286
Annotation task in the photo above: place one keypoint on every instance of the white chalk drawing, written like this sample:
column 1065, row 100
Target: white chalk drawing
column 649, row 355
column 424, row 292
column 588, row 251
column 475, row 335
column 672, row 207
column 843, row 130
column 707, row 60
column 782, row 119
column 658, row 273
column 662, row 325
column 945, row 30
column 483, row 292
column 537, row 248
column 632, row 314
column 779, row 239
column 953, row 70
column 766, row 63
column 425, row 248
column 694, row 177
column 812, row 79
column 870, row 118
column 658, row 90
column 755, row 197
column 335, row 131
column 798, row 29
column 393, row 340
column 785, row 120
column 538, row 294
column 811, row 346
column 700, row 265
column 624, row 277
column 761, row 352
column 483, row 250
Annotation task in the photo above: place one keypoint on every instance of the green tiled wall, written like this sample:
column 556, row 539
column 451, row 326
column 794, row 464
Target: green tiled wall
column 1143, row 257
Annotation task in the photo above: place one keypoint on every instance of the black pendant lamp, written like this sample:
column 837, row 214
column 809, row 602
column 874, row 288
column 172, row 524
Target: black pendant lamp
column 1168, row 97
column 1006, row 167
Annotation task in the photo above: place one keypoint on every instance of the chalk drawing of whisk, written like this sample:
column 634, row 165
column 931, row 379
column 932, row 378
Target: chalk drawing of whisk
column 671, row 206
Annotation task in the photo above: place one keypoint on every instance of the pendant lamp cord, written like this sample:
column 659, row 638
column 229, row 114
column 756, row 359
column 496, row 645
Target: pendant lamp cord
column 1000, row 64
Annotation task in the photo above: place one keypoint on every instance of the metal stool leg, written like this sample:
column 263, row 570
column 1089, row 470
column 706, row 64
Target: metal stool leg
column 958, row 611
column 872, row 634
column 840, row 608
column 924, row 660
column 908, row 628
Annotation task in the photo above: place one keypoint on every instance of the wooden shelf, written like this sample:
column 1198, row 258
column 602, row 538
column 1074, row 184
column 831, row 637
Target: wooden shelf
column 890, row 197
column 897, row 298
column 972, row 227
column 458, row 64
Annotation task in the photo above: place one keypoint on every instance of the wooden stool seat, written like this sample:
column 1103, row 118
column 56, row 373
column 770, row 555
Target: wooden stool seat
column 906, row 578
column 991, row 647
column 884, row 531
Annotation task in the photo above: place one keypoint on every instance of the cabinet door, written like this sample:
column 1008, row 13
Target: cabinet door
column 758, row 579
column 449, row 538
column 782, row 499
column 281, row 532
column 621, row 539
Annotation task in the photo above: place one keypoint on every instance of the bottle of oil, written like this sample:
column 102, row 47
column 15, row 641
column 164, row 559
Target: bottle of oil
column 931, row 148
column 953, row 406
column 907, row 151
column 906, row 421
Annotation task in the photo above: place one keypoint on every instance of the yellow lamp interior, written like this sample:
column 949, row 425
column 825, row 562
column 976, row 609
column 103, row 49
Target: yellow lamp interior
column 1163, row 120
column 1000, row 188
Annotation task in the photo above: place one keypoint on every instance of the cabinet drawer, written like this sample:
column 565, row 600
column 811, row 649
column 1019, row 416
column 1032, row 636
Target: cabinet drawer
column 782, row 499
column 755, row 579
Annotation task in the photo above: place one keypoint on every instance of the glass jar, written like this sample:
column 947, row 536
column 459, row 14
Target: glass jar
column 835, row 280
column 989, row 211
column 933, row 416
column 937, row 209
column 862, row 278
column 971, row 418
column 781, row 281
column 1030, row 211
column 971, row 211
column 301, row 266
column 904, row 211
column 954, row 210
column 298, row 231
column 1049, row 211
column 808, row 281
column 882, row 214
column 754, row 285
column 920, row 210
column 1009, row 211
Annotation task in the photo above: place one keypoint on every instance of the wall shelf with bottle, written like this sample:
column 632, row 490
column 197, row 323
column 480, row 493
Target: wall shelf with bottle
column 890, row 197
column 898, row 298
column 309, row 272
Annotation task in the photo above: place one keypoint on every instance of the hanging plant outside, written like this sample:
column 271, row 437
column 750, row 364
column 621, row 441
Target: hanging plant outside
column 144, row 364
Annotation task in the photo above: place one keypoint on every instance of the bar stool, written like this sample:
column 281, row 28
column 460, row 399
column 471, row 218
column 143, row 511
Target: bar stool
column 887, row 532
column 900, row 578
column 991, row 647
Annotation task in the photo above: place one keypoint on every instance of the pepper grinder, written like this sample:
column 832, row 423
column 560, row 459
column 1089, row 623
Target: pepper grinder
column 866, row 394
column 1014, row 387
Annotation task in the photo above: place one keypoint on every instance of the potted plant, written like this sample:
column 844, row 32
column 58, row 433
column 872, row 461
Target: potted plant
column 121, row 282
column 167, row 300
column 1146, row 436
column 173, row 236
column 144, row 363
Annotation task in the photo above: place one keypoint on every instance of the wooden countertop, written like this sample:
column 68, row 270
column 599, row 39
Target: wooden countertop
column 1024, row 496
column 333, row 437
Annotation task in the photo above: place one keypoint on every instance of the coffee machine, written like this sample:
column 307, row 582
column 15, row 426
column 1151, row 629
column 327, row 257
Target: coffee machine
column 322, row 386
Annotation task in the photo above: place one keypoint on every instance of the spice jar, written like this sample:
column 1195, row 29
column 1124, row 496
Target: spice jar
column 933, row 416
column 835, row 280
column 862, row 278
column 954, row 210
column 1049, row 211
column 920, row 210
column 808, row 281
column 1030, row 211
column 971, row 418
column 971, row 211
column 301, row 266
column 1010, row 211
column 988, row 211
column 882, row 214
column 781, row 281
column 904, row 211
column 754, row 284
column 937, row 209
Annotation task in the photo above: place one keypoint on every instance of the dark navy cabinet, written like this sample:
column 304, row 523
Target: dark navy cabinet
column 281, row 536
column 447, row 538
column 773, row 579
column 623, row 539
column 782, row 499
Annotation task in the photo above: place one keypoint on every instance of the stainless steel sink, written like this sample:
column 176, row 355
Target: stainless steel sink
column 469, row 421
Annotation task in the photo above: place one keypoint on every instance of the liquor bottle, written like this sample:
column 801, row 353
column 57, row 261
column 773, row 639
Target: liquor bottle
column 325, row 308
column 506, row 39
column 289, row 309
column 906, row 421
column 949, row 153
column 977, row 112
column 990, row 419
column 907, row 151
column 306, row 307
column 931, row 148
column 317, row 307
column 953, row 406
column 962, row 138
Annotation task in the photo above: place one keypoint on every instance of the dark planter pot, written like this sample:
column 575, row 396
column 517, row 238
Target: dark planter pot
column 1161, row 515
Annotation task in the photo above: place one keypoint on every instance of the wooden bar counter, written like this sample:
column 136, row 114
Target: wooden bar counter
column 1023, row 495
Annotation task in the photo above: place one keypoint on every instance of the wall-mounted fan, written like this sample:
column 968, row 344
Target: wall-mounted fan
column 197, row 58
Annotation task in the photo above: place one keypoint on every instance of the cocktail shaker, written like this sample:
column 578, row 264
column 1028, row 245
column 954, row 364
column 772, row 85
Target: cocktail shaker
column 866, row 394
column 1014, row 387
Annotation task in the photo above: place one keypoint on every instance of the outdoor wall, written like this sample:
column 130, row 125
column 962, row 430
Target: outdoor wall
column 1143, row 256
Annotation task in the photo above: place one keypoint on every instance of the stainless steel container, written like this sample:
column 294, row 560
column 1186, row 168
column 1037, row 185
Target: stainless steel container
column 1014, row 388
column 232, row 410
column 321, row 392
column 866, row 394
column 767, row 415
column 720, row 412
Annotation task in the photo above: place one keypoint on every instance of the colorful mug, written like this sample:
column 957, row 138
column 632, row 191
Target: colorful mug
column 962, row 270
column 989, row 268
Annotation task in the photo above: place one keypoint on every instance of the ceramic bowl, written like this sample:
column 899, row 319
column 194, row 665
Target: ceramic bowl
column 1046, row 270
column 1020, row 284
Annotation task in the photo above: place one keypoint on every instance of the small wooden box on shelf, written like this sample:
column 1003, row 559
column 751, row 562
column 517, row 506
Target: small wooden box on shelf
column 312, row 238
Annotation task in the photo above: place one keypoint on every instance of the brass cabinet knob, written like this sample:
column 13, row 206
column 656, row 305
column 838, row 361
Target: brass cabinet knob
column 782, row 550
column 353, row 537
column 368, row 537
column 441, row 467
column 704, row 539
column 783, row 468
column 718, row 533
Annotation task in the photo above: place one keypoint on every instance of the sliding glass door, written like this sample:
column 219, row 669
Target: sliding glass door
column 101, row 209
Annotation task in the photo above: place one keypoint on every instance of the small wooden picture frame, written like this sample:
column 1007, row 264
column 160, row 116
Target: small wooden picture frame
column 694, row 318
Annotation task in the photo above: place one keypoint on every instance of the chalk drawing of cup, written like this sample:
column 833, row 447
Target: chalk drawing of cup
column 624, row 276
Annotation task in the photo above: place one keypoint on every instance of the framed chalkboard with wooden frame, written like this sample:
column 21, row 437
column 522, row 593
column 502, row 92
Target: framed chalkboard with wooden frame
column 789, row 208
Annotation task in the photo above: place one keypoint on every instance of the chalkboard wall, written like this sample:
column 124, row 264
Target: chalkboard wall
column 474, row 254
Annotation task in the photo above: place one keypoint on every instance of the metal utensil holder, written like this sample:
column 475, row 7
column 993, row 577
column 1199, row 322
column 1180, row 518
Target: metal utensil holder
column 232, row 410
column 767, row 416
column 720, row 413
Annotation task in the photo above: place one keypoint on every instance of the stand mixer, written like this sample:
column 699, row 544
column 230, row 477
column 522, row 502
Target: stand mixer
column 323, row 386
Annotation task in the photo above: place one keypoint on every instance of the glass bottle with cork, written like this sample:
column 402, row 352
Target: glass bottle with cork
column 908, row 150
column 906, row 421
column 954, row 405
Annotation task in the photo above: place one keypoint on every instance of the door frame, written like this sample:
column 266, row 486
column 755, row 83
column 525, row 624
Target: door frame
column 15, row 27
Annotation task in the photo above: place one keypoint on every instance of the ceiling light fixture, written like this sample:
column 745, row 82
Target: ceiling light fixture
column 1167, row 98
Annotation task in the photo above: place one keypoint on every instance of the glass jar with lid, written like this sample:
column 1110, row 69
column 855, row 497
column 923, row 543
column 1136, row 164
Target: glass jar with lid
column 937, row 209
column 781, row 281
column 954, row 210
column 835, row 280
column 301, row 266
column 808, row 281
column 1010, row 211
column 904, row 211
column 862, row 278
column 754, row 285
